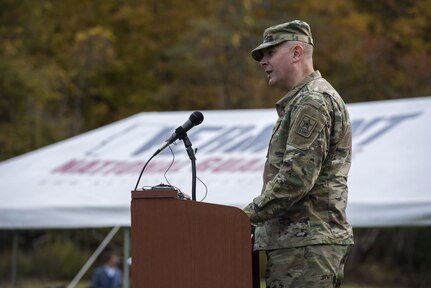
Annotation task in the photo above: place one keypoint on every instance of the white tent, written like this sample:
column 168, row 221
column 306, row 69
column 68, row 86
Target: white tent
column 85, row 181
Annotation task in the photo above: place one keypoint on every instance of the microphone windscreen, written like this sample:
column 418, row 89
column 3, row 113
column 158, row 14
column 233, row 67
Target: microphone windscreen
column 196, row 118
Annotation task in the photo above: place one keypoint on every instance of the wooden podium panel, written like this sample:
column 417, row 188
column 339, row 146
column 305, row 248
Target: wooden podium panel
column 182, row 243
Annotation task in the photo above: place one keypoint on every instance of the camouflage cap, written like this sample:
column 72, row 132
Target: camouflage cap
column 295, row 30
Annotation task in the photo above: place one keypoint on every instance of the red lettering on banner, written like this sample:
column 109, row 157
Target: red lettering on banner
column 252, row 165
column 66, row 167
column 230, row 165
column 102, row 165
column 98, row 167
column 208, row 164
column 241, row 165
column 109, row 167
column 124, row 168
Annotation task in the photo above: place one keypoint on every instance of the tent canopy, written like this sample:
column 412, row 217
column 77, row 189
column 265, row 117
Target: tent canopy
column 85, row 181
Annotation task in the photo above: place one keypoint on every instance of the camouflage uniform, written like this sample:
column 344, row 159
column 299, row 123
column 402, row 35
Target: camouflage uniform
column 317, row 266
column 304, row 195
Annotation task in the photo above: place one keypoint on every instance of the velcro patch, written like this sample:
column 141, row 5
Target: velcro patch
column 306, row 126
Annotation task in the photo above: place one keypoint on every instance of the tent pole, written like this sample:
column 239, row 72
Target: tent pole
column 126, row 256
column 93, row 257
column 14, row 258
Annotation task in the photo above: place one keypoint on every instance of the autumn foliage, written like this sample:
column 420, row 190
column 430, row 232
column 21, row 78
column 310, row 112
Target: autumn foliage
column 70, row 66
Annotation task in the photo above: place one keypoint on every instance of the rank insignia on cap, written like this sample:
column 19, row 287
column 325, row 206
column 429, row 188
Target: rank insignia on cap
column 306, row 126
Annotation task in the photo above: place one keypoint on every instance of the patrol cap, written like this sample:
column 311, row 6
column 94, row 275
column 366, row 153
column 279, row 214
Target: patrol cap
column 295, row 30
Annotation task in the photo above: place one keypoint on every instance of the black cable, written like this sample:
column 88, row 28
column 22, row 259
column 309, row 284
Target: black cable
column 142, row 171
column 169, row 167
column 164, row 175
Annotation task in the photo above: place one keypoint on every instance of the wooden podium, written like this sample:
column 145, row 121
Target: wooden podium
column 188, row 244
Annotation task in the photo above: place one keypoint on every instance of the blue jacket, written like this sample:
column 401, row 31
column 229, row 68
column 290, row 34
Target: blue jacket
column 101, row 279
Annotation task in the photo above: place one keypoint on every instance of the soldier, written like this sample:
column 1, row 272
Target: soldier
column 300, row 216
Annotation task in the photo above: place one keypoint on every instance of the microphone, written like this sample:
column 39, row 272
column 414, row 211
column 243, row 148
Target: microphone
column 195, row 118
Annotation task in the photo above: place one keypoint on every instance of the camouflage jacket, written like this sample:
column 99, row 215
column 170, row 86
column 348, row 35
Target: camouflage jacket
column 304, row 196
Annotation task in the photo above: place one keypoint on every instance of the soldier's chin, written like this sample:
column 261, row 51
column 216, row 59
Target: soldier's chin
column 272, row 82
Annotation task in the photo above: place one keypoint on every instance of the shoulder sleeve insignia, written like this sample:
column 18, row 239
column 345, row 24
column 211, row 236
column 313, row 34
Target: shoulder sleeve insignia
column 306, row 126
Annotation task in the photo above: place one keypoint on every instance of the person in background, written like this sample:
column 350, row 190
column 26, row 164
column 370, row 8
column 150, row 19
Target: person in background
column 300, row 216
column 108, row 275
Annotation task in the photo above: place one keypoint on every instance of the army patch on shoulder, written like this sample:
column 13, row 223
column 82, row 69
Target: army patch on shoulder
column 306, row 126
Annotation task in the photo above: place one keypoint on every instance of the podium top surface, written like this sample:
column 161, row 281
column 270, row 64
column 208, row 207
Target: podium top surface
column 155, row 193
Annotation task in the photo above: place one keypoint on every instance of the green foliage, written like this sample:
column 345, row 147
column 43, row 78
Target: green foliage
column 56, row 260
column 57, row 252
column 390, row 257
column 52, row 254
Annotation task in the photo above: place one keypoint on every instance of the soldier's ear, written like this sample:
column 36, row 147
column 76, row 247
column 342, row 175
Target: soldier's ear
column 298, row 51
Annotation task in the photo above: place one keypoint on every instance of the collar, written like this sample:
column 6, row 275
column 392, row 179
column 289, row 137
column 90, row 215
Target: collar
column 281, row 104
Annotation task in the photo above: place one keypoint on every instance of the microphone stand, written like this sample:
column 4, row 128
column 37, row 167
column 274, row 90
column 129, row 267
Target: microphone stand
column 192, row 157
